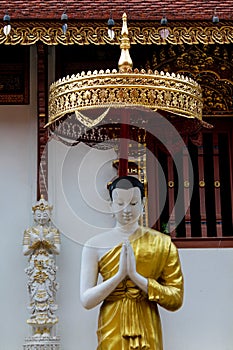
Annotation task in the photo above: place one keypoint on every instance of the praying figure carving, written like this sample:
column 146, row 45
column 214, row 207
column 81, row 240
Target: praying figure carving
column 41, row 243
column 140, row 269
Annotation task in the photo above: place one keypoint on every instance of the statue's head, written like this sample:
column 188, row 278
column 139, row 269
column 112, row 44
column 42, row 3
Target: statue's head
column 126, row 193
column 42, row 211
column 126, row 182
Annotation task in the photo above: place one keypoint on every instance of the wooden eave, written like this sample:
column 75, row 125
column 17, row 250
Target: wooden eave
column 96, row 32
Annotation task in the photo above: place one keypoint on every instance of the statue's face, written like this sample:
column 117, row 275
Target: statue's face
column 127, row 205
column 42, row 216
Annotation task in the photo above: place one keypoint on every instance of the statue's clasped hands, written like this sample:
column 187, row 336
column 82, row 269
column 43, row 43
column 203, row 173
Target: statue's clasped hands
column 127, row 263
column 42, row 241
column 127, row 268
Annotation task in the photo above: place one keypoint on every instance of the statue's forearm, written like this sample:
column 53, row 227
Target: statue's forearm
column 26, row 250
column 168, row 296
column 95, row 295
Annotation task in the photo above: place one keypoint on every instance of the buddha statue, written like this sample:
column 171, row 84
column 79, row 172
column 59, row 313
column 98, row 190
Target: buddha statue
column 139, row 268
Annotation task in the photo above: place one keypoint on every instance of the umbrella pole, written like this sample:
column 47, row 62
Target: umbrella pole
column 124, row 144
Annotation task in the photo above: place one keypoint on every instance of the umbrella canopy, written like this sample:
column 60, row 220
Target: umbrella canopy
column 110, row 103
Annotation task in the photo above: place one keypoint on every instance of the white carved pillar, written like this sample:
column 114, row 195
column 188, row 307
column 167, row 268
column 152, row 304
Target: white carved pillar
column 41, row 243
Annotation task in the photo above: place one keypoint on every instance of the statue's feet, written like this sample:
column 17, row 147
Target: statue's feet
column 45, row 333
column 42, row 333
column 36, row 335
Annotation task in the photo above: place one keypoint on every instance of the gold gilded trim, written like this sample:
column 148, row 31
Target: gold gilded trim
column 216, row 184
column 143, row 33
column 164, row 91
column 186, row 184
column 202, row 183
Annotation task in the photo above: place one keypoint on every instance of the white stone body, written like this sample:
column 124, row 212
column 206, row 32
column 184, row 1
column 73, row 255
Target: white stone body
column 42, row 242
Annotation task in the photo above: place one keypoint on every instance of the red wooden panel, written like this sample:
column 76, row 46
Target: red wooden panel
column 217, row 185
column 186, row 192
column 171, row 196
column 202, row 192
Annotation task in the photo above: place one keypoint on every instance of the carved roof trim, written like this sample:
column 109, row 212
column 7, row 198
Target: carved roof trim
column 143, row 33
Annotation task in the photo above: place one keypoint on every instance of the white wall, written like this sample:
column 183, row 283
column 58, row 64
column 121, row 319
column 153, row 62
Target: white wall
column 18, row 149
column 206, row 319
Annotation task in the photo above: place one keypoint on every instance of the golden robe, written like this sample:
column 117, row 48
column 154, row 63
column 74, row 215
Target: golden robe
column 129, row 318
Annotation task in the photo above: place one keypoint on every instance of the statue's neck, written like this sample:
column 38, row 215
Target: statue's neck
column 127, row 229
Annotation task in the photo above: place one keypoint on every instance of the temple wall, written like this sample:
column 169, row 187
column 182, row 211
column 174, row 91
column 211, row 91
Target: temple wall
column 204, row 321
column 18, row 149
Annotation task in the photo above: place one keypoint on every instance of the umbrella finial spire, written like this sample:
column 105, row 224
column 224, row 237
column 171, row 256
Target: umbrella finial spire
column 125, row 63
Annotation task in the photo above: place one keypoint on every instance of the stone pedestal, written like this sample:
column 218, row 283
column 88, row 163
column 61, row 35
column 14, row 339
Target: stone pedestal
column 49, row 343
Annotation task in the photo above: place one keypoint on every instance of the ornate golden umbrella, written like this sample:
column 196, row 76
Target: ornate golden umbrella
column 114, row 98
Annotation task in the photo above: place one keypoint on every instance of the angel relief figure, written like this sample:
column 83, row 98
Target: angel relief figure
column 41, row 243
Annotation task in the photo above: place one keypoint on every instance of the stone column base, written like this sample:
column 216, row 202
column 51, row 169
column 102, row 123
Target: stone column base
column 48, row 343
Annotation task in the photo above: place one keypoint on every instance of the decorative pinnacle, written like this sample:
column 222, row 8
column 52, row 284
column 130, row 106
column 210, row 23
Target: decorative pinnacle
column 125, row 62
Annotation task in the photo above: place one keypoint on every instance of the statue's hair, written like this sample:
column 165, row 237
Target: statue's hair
column 126, row 182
